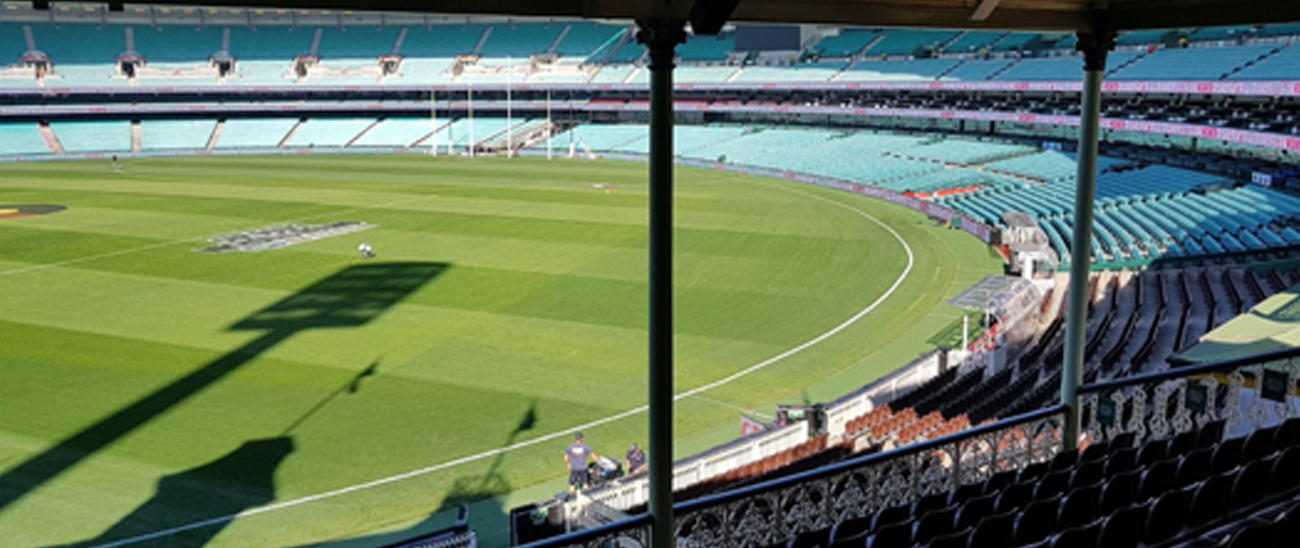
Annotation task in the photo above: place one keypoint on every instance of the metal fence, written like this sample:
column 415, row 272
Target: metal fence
column 779, row 509
column 1246, row 393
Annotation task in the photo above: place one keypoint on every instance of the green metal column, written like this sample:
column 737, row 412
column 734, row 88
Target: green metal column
column 661, row 37
column 1094, row 48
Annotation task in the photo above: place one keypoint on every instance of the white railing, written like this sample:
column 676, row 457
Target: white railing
column 883, row 390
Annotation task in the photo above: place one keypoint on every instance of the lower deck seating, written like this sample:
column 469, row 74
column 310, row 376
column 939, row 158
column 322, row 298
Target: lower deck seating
column 1238, row 492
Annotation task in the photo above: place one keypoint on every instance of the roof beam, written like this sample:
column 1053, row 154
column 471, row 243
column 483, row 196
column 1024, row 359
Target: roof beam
column 983, row 10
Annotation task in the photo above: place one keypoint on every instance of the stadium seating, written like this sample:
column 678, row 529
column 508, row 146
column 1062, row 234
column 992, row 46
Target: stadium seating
column 973, row 41
column 846, row 44
column 584, row 39
column 707, row 48
column 177, row 45
column 613, row 74
column 915, row 69
column 908, row 42
column 978, row 70
column 22, row 138
column 1191, row 63
column 398, row 132
column 1059, row 68
column 811, row 72
column 442, row 41
column 255, row 132
column 175, row 134
column 505, row 40
column 112, row 136
column 1282, row 65
column 356, row 44
column 328, row 132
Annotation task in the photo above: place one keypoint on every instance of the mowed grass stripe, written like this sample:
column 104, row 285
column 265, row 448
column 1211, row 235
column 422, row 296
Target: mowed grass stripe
column 547, row 322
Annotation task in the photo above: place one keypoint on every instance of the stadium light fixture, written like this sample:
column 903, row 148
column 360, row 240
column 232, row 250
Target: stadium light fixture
column 983, row 10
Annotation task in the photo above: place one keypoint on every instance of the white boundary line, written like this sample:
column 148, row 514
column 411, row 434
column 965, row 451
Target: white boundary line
column 555, row 435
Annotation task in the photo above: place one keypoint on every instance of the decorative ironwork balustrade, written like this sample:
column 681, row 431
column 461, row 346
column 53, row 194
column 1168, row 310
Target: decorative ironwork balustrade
column 780, row 509
column 1246, row 393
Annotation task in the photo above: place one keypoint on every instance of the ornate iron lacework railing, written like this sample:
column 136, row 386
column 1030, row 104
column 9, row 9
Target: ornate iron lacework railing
column 780, row 509
column 1246, row 393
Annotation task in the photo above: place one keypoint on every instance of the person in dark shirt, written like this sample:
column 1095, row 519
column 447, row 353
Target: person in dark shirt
column 635, row 459
column 576, row 456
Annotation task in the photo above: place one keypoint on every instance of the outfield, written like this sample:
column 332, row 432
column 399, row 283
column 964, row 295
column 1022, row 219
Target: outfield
column 145, row 386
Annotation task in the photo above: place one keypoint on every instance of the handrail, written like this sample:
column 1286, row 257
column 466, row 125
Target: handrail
column 1191, row 370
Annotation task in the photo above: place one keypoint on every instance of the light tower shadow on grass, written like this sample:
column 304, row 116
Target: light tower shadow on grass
column 478, row 488
column 348, row 299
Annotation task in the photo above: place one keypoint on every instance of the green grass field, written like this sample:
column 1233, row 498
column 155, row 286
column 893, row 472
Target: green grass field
column 145, row 386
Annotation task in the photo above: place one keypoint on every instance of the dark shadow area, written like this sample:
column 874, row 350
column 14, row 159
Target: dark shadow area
column 242, row 479
column 466, row 490
column 350, row 298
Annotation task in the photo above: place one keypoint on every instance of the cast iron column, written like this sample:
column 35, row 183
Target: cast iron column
column 661, row 37
column 1094, row 46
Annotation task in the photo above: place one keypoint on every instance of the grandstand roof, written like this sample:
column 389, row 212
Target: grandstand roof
column 989, row 292
column 1271, row 325
column 1066, row 15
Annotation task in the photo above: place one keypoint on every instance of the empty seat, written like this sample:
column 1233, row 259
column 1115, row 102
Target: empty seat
column 951, row 540
column 1083, row 536
column 855, row 528
column 1211, row 434
column 1123, row 441
column 1120, row 491
column 1015, row 497
column 933, row 524
column 975, row 510
column 821, row 538
column 1096, row 451
column 1211, row 499
column 1194, row 466
column 1286, row 471
column 1121, row 460
column 1252, row 483
column 1157, row 479
column 894, row 535
column 1053, row 484
column 966, row 492
column 1227, row 455
column 1087, row 473
column 1079, row 507
column 1167, row 515
column 1183, row 443
column 1151, row 452
column 1064, row 460
column 889, row 516
column 1288, row 434
column 1033, row 471
column 1258, row 444
column 1255, row 535
column 929, row 503
column 1037, row 521
column 1124, row 528
column 995, row 531
column 997, row 481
